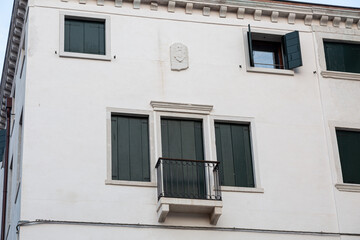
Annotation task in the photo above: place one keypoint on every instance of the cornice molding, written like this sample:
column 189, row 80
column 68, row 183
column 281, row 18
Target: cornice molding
column 11, row 55
column 181, row 107
column 275, row 10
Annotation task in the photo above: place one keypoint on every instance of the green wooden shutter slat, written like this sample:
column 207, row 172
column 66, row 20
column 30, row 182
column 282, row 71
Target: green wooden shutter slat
column 145, row 150
column 292, row 50
column 175, row 147
column 238, row 153
column 227, row 151
column 135, row 149
column 219, row 153
column 114, row 152
column 187, row 139
column 124, row 148
column 349, row 151
column 248, row 158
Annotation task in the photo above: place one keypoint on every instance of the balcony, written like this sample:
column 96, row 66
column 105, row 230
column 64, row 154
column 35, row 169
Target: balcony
column 188, row 186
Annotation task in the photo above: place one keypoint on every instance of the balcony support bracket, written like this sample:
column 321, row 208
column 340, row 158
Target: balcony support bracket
column 211, row 208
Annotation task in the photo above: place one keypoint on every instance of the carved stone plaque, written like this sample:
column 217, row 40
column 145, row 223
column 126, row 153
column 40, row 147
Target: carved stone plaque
column 179, row 57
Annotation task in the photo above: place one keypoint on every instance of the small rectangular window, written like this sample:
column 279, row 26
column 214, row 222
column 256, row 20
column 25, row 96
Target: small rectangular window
column 274, row 51
column 349, row 151
column 84, row 36
column 342, row 57
column 130, row 148
column 233, row 148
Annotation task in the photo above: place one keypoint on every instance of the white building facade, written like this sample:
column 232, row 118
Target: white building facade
column 181, row 120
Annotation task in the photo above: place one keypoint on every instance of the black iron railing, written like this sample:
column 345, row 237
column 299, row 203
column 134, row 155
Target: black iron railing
column 182, row 178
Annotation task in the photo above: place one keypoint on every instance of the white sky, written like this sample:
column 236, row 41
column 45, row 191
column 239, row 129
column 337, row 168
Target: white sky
column 6, row 8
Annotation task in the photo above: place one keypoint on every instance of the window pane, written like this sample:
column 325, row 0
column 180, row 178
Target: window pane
column 343, row 57
column 264, row 59
column 349, row 151
column 130, row 148
column 233, row 149
column 84, row 36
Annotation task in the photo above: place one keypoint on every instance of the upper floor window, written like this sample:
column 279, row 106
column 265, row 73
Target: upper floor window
column 84, row 36
column 349, row 152
column 130, row 157
column 274, row 51
column 233, row 149
column 342, row 57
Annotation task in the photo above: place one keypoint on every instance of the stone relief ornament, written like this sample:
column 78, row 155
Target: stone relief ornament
column 179, row 57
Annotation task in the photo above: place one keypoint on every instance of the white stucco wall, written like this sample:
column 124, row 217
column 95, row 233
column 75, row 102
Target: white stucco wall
column 65, row 140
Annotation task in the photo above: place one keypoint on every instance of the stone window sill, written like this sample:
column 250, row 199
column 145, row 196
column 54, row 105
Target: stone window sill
column 241, row 189
column 271, row 71
column 85, row 56
column 130, row 183
column 347, row 187
column 341, row 75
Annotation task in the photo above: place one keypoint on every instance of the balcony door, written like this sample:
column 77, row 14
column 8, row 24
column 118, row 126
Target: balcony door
column 183, row 140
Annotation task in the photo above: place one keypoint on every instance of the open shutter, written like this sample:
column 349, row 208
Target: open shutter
column 292, row 51
column 250, row 47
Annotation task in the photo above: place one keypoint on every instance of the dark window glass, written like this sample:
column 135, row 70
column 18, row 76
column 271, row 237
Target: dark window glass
column 343, row 57
column 233, row 150
column 83, row 36
column 349, row 151
column 130, row 148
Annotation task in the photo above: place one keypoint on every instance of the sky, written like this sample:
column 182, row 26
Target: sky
column 6, row 8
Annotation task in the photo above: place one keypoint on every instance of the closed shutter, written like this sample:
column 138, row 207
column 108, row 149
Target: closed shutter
column 349, row 151
column 130, row 148
column 343, row 57
column 84, row 36
column 74, row 36
column 292, row 50
column 182, row 139
column 234, row 154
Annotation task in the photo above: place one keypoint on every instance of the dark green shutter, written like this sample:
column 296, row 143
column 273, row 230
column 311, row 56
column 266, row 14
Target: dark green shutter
column 233, row 149
column 94, row 38
column 83, row 36
column 343, row 57
column 183, row 139
column 130, row 148
column 251, row 54
column 292, row 50
column 74, row 36
column 349, row 151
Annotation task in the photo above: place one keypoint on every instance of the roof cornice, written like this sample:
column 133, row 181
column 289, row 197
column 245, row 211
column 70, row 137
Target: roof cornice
column 11, row 55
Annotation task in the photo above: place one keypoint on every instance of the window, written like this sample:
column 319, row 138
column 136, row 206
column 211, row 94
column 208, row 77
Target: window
column 233, row 148
column 274, row 51
column 342, row 57
column 130, row 158
column 85, row 36
column 349, row 152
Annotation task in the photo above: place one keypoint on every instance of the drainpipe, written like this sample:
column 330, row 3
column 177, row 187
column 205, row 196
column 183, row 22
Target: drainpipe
column 6, row 168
